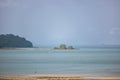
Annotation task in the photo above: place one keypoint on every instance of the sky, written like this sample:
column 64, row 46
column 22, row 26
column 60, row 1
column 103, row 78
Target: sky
column 54, row 22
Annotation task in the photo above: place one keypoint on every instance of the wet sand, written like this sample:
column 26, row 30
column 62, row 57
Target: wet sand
column 57, row 77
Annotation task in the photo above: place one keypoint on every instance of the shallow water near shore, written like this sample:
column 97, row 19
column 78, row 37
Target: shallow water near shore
column 101, row 61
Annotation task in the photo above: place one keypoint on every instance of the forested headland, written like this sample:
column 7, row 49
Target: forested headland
column 13, row 41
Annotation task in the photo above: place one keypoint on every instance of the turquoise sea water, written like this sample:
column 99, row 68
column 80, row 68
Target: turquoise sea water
column 105, row 61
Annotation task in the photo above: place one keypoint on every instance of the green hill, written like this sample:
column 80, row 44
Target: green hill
column 10, row 40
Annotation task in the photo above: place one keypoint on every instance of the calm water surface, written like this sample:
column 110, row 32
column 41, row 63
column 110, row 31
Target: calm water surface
column 105, row 61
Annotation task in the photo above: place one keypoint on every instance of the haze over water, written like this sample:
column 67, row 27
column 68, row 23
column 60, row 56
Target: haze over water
column 55, row 22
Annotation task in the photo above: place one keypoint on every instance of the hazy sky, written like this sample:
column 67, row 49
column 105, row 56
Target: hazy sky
column 52, row 22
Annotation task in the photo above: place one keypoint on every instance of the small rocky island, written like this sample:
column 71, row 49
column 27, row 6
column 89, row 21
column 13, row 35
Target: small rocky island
column 63, row 46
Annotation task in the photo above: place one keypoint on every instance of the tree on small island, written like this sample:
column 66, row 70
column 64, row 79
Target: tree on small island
column 70, row 47
column 63, row 46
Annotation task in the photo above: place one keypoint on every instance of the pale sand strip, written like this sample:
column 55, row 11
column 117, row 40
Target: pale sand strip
column 26, row 48
column 58, row 77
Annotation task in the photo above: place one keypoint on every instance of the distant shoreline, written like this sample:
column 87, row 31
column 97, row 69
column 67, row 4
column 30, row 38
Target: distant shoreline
column 25, row 48
column 35, row 49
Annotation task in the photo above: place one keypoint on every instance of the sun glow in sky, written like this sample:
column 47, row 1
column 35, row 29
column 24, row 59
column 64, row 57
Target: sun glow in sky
column 52, row 22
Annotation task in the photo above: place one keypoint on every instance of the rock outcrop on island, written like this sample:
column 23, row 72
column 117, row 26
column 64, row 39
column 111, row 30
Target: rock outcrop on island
column 63, row 46
column 13, row 41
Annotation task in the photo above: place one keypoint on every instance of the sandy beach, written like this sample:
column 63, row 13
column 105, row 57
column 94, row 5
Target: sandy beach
column 57, row 77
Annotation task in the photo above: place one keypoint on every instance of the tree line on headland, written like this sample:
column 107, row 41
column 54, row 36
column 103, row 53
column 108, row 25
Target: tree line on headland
column 10, row 40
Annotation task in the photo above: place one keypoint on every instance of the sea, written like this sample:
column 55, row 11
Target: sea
column 86, row 60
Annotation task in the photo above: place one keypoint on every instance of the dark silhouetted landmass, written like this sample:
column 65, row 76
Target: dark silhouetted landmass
column 10, row 40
